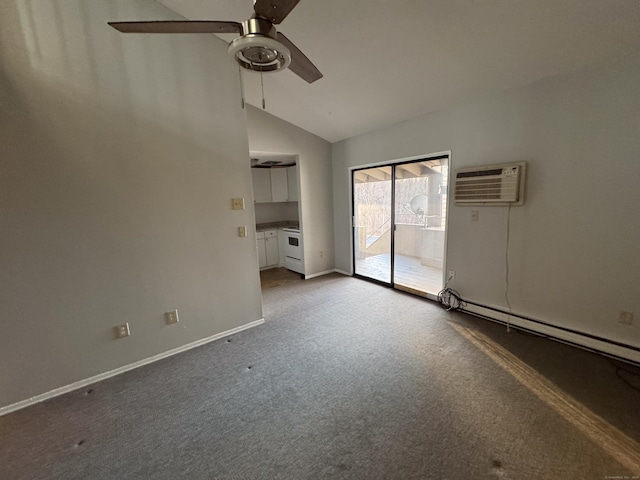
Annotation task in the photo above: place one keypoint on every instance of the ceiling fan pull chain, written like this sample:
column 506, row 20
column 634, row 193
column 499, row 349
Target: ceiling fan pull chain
column 262, row 85
column 241, row 88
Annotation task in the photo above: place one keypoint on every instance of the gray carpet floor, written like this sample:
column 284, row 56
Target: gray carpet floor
column 346, row 379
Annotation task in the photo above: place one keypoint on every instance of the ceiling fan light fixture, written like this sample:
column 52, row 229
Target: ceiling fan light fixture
column 260, row 53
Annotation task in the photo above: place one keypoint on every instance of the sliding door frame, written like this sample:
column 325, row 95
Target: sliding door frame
column 392, row 220
column 393, row 164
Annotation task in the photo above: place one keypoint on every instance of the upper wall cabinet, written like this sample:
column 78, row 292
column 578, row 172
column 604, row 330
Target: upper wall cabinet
column 275, row 184
column 292, row 183
column 279, row 190
column 261, row 178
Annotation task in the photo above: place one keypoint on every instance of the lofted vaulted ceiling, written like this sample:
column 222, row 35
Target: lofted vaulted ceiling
column 386, row 61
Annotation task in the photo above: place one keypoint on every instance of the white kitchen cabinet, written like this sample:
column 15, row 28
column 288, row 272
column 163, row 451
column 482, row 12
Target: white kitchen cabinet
column 268, row 247
column 279, row 188
column 261, row 179
column 271, row 185
column 262, row 249
column 292, row 183
column 271, row 240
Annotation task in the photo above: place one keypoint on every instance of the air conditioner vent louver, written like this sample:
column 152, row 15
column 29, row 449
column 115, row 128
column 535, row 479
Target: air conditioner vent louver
column 490, row 185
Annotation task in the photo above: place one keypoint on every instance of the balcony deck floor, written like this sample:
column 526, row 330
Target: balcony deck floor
column 409, row 272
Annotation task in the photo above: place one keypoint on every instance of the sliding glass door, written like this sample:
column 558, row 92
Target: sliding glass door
column 372, row 223
column 399, row 214
column 420, row 220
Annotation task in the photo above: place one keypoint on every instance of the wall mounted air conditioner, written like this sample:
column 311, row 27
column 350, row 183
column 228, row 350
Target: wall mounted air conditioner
column 501, row 184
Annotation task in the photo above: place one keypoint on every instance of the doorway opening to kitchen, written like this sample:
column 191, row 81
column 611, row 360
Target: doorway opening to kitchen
column 400, row 222
column 276, row 189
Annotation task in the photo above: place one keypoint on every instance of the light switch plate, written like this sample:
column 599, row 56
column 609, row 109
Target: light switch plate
column 122, row 330
column 171, row 317
column 237, row 204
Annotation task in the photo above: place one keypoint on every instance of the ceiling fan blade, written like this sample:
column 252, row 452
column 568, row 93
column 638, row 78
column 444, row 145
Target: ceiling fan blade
column 300, row 64
column 274, row 10
column 177, row 26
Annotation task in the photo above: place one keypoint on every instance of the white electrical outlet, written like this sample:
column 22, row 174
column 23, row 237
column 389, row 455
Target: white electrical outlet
column 172, row 317
column 321, row 254
column 242, row 231
column 452, row 275
column 474, row 215
column 626, row 318
column 122, row 330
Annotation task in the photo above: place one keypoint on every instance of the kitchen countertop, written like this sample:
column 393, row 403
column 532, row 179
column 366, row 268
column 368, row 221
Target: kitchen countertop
column 261, row 227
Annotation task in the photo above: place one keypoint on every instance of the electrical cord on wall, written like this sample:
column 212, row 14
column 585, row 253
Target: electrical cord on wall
column 506, row 275
column 450, row 300
column 447, row 282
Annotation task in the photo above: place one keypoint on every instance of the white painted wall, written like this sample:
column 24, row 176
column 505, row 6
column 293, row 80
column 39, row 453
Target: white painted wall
column 118, row 159
column 574, row 256
column 269, row 134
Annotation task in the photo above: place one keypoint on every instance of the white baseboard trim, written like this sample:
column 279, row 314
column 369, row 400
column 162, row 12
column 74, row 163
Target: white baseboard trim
column 326, row 272
column 577, row 339
column 342, row 272
column 112, row 373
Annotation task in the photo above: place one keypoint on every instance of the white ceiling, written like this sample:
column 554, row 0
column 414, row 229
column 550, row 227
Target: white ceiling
column 385, row 61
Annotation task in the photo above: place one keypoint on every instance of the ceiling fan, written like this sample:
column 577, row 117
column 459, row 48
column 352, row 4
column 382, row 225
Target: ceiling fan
column 260, row 47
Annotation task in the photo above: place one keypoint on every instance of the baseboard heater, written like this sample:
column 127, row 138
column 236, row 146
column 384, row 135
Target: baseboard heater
column 613, row 343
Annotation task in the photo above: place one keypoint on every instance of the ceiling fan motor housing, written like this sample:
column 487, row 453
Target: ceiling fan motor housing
column 258, row 49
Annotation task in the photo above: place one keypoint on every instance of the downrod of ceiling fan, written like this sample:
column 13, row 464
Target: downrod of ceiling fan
column 259, row 26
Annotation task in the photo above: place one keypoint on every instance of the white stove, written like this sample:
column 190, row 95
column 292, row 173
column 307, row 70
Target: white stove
column 293, row 252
